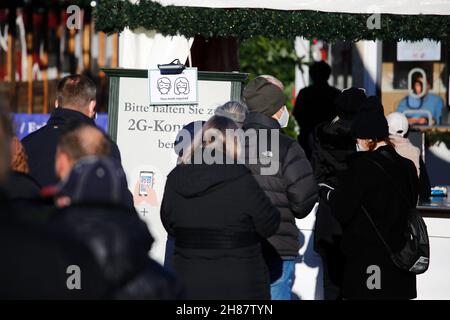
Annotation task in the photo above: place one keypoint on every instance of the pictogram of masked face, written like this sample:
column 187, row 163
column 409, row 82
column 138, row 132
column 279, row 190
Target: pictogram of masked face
column 163, row 85
column 181, row 86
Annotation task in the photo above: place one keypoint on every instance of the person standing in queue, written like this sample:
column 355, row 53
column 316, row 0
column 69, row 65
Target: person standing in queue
column 218, row 216
column 283, row 172
column 75, row 102
column 333, row 144
column 386, row 196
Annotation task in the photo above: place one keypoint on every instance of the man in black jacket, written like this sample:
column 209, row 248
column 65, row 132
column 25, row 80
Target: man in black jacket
column 281, row 169
column 75, row 102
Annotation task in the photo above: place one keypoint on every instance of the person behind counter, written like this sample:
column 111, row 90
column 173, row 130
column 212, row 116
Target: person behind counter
column 428, row 102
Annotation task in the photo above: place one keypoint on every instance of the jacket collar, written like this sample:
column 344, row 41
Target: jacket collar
column 258, row 120
column 61, row 116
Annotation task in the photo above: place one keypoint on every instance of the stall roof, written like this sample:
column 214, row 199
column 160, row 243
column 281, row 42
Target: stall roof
column 438, row 7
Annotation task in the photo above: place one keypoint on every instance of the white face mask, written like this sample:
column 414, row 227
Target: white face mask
column 284, row 119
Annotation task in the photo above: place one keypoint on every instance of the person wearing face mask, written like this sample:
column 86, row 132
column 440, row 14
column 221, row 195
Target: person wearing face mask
column 75, row 102
column 378, row 189
column 290, row 185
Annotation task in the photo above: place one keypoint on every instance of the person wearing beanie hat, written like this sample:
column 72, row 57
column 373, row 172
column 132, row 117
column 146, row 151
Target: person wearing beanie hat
column 333, row 144
column 382, row 185
column 291, row 186
column 263, row 96
column 349, row 101
column 370, row 126
column 185, row 136
column 398, row 129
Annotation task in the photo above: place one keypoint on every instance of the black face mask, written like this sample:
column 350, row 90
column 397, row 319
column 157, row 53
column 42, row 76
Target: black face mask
column 94, row 116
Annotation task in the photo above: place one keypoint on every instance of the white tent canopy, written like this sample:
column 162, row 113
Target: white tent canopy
column 437, row 7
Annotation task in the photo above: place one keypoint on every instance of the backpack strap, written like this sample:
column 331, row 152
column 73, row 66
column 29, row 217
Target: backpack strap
column 388, row 248
column 388, row 156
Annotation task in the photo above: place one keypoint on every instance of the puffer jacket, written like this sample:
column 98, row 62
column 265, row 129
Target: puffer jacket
column 291, row 187
column 120, row 242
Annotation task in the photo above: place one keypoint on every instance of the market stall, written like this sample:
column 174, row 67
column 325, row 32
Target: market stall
column 382, row 20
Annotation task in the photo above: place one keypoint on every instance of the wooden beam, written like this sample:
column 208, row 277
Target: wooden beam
column 86, row 45
column 29, row 38
column 115, row 50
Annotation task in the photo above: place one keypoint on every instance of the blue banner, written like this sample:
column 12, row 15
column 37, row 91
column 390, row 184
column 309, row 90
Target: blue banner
column 27, row 123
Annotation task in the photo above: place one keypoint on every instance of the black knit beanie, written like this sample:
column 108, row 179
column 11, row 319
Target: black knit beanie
column 370, row 123
column 349, row 102
column 264, row 97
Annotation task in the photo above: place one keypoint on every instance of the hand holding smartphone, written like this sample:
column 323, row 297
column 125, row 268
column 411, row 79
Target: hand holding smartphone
column 145, row 182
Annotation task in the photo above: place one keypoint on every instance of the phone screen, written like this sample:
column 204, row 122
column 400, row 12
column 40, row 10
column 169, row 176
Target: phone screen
column 145, row 179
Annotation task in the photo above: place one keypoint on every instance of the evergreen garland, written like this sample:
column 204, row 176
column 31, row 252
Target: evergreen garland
column 115, row 15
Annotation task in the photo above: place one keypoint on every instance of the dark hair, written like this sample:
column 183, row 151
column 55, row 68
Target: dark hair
column 75, row 91
column 319, row 71
column 74, row 143
column 419, row 81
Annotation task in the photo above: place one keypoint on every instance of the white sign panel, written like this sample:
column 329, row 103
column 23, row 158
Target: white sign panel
column 146, row 135
column 173, row 88
column 425, row 50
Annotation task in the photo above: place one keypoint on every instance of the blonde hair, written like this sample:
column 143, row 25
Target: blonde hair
column 215, row 134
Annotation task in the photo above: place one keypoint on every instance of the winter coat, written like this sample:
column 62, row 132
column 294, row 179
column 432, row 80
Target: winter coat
column 407, row 150
column 364, row 184
column 333, row 143
column 218, row 216
column 24, row 195
column 120, row 241
column 314, row 105
column 36, row 262
column 40, row 146
column 292, row 189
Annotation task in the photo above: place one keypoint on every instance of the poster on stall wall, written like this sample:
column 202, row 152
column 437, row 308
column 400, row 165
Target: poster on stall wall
column 145, row 137
column 425, row 50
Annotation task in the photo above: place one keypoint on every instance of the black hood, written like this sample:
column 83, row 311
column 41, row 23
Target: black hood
column 194, row 180
column 335, row 135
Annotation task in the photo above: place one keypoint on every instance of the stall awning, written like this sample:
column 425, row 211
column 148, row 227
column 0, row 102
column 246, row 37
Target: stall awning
column 438, row 7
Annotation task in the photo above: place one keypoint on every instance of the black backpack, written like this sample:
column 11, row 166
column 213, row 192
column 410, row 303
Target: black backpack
column 414, row 257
